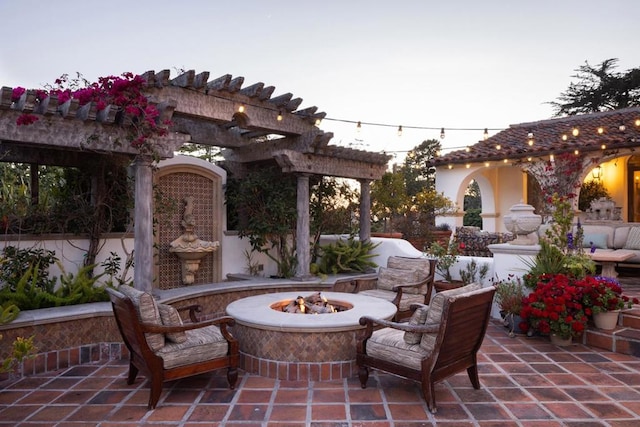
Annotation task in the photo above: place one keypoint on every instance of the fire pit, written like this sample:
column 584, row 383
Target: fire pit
column 294, row 347
column 315, row 303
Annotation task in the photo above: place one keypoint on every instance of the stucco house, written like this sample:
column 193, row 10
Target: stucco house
column 605, row 142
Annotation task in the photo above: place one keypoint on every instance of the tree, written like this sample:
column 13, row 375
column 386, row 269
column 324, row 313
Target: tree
column 389, row 198
column 599, row 88
column 419, row 175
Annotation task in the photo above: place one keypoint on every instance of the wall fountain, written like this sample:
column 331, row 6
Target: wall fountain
column 188, row 247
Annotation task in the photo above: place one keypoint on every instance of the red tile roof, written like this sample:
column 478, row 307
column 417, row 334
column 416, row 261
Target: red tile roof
column 597, row 132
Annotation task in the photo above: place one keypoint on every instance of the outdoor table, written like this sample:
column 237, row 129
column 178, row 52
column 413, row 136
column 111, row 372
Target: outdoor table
column 609, row 259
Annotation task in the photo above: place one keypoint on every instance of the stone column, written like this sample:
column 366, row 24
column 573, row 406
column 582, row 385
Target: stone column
column 303, row 250
column 365, row 210
column 143, row 225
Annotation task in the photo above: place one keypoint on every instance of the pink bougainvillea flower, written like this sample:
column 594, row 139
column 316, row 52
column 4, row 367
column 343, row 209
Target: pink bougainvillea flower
column 26, row 119
column 16, row 93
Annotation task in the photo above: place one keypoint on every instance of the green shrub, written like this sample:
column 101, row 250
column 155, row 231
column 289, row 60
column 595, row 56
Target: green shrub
column 345, row 257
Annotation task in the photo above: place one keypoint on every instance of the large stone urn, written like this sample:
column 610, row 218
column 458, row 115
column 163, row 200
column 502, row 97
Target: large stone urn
column 522, row 221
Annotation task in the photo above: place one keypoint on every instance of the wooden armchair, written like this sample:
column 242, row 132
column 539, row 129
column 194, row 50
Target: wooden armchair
column 404, row 281
column 163, row 348
column 439, row 341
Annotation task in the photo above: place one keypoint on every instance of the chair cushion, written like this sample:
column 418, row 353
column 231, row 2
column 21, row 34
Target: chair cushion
column 434, row 315
column 405, row 301
column 389, row 277
column 599, row 240
column 633, row 239
column 171, row 317
column 147, row 313
column 389, row 344
column 417, row 318
column 201, row 345
column 421, row 265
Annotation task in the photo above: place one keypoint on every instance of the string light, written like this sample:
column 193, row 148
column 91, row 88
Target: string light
column 241, row 109
column 575, row 131
column 442, row 133
column 530, row 142
column 603, row 146
column 358, row 127
column 487, row 164
column 622, row 127
column 637, row 122
column 485, row 135
column 600, row 130
column 498, row 146
column 564, row 137
column 577, row 152
column 399, row 130
column 551, row 157
column 279, row 118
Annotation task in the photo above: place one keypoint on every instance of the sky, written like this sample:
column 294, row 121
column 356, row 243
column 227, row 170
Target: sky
column 463, row 64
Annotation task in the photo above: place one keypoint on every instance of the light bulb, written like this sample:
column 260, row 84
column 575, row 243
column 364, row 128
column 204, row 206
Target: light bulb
column 505, row 161
column 530, row 142
column 576, row 152
column 603, row 146
column 318, row 121
column 600, row 130
column 467, row 165
column 358, row 127
column 530, row 135
column 551, row 158
column 564, row 136
column 279, row 118
column 486, row 164
column 467, row 149
column 442, row 133
column 637, row 122
column 575, row 131
column 498, row 146
column 622, row 127
column 241, row 109
column 450, row 166
column 399, row 130
column 485, row 135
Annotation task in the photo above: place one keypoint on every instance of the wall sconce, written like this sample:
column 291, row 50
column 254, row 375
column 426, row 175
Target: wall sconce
column 597, row 173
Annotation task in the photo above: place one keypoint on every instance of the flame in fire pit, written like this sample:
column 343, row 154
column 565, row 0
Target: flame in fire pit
column 312, row 304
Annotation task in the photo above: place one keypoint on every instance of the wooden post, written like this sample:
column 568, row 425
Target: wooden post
column 143, row 225
column 365, row 210
column 303, row 250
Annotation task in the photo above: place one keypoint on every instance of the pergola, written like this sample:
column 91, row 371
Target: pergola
column 246, row 122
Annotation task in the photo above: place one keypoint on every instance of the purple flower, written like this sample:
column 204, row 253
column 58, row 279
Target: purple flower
column 593, row 248
column 570, row 240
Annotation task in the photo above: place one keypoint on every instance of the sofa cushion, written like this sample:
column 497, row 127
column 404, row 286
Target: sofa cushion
column 599, row 229
column 434, row 316
column 201, row 344
column 417, row 318
column 599, row 240
column 633, row 239
column 147, row 313
column 389, row 277
column 171, row 317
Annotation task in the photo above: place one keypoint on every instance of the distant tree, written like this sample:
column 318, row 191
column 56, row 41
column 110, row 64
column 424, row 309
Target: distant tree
column 472, row 198
column 389, row 198
column 599, row 88
column 419, row 175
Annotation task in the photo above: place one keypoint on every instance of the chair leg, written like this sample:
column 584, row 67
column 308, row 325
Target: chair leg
column 133, row 373
column 156, row 390
column 472, row 371
column 429, row 392
column 363, row 374
column 232, row 377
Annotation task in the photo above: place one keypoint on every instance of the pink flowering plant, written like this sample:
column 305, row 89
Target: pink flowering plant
column 124, row 93
column 602, row 294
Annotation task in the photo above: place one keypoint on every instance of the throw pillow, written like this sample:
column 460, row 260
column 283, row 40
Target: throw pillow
column 171, row 317
column 417, row 318
column 421, row 265
column 598, row 240
column 633, row 239
column 147, row 311
column 389, row 277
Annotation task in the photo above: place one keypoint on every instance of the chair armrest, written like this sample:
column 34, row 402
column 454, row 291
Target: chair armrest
column 404, row 326
column 222, row 322
column 193, row 309
column 365, row 281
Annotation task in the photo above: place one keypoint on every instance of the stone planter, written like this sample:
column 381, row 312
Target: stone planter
column 607, row 320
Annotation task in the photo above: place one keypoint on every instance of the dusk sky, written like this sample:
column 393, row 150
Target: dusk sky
column 429, row 64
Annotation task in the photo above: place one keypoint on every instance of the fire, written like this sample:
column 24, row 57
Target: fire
column 313, row 304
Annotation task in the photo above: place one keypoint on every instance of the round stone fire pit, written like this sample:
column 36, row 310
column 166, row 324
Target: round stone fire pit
column 290, row 346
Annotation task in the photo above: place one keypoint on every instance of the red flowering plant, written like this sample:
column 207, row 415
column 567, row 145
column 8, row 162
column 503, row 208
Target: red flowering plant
column 555, row 307
column 123, row 93
column 602, row 294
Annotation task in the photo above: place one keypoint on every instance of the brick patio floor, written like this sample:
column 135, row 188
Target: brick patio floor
column 525, row 382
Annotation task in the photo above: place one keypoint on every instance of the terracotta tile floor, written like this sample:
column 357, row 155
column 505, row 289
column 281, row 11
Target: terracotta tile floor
column 525, row 382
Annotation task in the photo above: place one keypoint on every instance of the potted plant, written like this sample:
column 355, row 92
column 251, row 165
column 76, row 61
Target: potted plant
column 603, row 300
column 509, row 296
column 446, row 256
column 555, row 308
